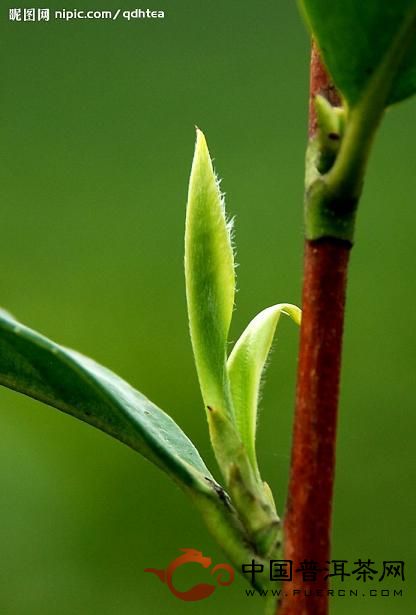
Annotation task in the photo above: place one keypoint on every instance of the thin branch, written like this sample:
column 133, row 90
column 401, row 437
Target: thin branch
column 308, row 518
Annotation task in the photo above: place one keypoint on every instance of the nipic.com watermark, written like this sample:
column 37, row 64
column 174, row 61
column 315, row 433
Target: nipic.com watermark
column 46, row 14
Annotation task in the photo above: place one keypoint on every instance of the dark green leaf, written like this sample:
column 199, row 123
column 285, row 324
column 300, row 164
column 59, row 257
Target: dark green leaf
column 356, row 36
column 65, row 379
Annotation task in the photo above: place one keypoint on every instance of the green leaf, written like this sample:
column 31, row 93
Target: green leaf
column 75, row 384
column 210, row 278
column 245, row 368
column 357, row 37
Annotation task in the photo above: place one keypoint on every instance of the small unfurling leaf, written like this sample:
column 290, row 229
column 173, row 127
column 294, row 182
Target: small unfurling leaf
column 245, row 368
column 331, row 125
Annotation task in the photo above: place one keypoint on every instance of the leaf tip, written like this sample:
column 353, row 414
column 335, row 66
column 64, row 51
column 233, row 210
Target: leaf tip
column 201, row 147
column 294, row 312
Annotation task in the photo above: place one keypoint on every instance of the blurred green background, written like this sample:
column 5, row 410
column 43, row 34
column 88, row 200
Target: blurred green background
column 97, row 132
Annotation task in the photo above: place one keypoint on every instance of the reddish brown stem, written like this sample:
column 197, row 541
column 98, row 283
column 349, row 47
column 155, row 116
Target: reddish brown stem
column 308, row 517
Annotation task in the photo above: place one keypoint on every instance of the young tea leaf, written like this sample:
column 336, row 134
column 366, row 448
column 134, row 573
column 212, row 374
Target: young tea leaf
column 245, row 368
column 65, row 379
column 356, row 37
column 210, row 279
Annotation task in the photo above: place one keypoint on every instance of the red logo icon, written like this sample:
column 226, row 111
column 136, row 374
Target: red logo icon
column 202, row 590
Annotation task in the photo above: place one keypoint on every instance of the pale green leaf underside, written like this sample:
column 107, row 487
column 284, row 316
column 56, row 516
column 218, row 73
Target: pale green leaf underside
column 245, row 368
column 210, row 278
column 354, row 37
column 75, row 384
